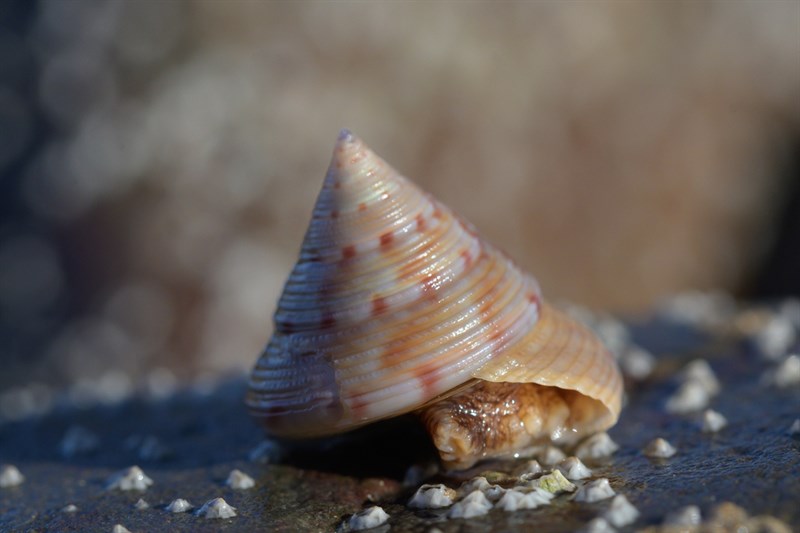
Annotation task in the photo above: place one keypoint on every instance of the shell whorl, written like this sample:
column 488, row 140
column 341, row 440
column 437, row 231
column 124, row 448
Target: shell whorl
column 396, row 301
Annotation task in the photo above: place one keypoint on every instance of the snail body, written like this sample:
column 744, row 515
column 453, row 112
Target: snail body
column 397, row 305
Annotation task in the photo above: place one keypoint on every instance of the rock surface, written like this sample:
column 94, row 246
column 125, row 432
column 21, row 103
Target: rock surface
column 318, row 485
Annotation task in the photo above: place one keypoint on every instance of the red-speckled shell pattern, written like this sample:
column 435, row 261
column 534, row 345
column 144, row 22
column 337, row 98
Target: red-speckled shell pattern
column 394, row 301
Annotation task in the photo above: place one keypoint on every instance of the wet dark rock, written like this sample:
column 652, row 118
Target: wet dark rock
column 753, row 462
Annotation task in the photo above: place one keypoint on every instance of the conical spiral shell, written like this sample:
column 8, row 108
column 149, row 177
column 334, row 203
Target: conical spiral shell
column 395, row 302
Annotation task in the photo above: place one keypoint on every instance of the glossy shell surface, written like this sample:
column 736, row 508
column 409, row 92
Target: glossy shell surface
column 396, row 302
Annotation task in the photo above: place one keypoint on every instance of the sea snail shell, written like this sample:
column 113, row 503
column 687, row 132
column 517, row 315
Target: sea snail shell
column 397, row 305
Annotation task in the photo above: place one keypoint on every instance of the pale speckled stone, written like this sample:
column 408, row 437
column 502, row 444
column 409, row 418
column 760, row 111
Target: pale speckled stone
column 216, row 508
column 659, row 448
column 432, row 497
column 554, row 482
column 594, row 491
column 474, row 504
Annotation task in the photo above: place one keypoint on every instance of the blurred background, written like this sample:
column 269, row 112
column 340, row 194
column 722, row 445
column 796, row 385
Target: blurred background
column 159, row 160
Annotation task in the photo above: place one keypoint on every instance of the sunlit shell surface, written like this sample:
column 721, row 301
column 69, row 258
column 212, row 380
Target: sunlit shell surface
column 396, row 301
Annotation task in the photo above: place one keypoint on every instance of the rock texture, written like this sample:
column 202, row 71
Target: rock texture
column 317, row 486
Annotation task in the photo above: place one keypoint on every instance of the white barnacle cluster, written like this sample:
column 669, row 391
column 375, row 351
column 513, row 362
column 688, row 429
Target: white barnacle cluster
column 551, row 455
column 574, row 469
column 10, row 476
column 433, row 497
column 518, row 498
column 132, row 478
column 529, row 469
column 178, row 505
column 779, row 334
column 689, row 515
column 216, row 508
column 594, row 491
column 238, row 480
column 710, row 311
column 597, row 446
column 473, row 504
column 785, row 374
column 777, row 342
column 368, row 518
column 636, row 362
column 492, row 492
column 478, row 496
column 619, row 512
column 698, row 385
column 724, row 516
column 713, row 421
column 659, row 449
column 598, row 525
column 533, row 486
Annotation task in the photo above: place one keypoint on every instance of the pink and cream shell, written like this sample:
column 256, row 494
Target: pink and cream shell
column 396, row 303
